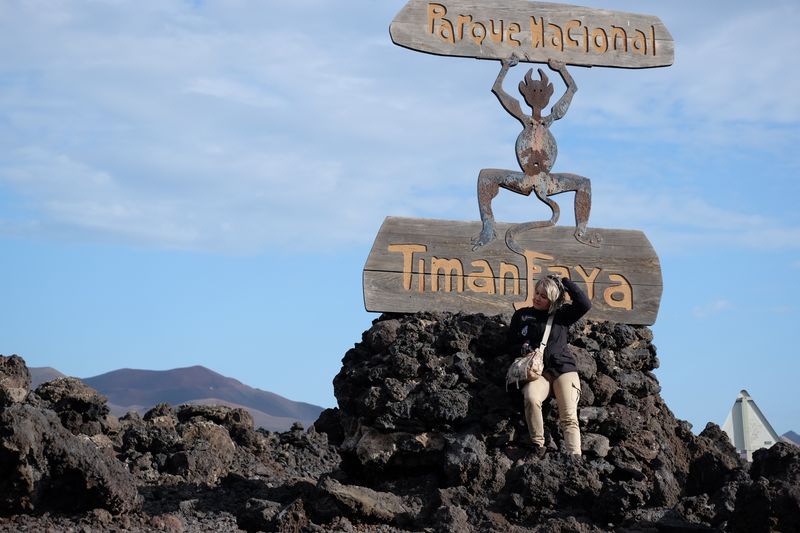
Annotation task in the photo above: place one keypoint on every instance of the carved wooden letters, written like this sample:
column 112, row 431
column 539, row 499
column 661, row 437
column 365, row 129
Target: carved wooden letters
column 534, row 32
column 419, row 264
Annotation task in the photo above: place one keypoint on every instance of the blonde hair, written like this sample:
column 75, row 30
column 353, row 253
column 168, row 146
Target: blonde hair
column 554, row 290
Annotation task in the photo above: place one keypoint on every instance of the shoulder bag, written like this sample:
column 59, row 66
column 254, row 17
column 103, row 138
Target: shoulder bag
column 529, row 367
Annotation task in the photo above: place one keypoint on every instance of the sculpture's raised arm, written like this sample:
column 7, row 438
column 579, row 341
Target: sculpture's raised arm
column 560, row 108
column 508, row 102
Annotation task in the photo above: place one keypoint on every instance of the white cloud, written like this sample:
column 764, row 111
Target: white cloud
column 711, row 308
column 211, row 133
column 209, row 127
column 268, row 203
column 675, row 220
column 679, row 221
column 730, row 84
column 233, row 91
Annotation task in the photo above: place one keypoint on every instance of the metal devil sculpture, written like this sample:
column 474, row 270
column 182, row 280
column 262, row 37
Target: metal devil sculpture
column 536, row 153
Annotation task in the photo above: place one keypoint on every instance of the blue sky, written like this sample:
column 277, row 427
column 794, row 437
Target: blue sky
column 191, row 183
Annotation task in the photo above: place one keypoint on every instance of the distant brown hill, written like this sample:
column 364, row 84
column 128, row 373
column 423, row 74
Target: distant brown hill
column 138, row 390
column 43, row 374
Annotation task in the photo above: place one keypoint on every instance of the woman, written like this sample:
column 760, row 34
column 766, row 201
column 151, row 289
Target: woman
column 560, row 370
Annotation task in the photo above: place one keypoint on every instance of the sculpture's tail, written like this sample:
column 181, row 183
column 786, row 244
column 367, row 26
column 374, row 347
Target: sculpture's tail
column 519, row 228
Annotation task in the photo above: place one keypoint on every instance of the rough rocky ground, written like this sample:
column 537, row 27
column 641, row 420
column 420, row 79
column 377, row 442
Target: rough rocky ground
column 425, row 438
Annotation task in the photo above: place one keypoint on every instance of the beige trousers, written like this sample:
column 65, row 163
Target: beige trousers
column 567, row 390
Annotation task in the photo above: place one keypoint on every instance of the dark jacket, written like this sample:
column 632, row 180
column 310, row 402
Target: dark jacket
column 528, row 324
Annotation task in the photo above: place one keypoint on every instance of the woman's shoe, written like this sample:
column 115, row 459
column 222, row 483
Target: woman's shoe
column 536, row 452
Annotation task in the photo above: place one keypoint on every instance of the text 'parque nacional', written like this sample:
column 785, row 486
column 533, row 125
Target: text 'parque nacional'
column 533, row 31
column 539, row 32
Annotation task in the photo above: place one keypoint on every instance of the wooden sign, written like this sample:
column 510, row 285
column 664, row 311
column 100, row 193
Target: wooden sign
column 534, row 32
column 429, row 265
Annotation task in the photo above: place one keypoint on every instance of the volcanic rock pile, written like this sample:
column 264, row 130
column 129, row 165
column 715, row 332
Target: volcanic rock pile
column 426, row 438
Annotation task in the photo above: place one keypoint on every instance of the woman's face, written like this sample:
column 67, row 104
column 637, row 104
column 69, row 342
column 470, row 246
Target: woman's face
column 540, row 301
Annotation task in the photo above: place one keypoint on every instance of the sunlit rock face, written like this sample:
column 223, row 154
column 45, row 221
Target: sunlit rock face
column 15, row 380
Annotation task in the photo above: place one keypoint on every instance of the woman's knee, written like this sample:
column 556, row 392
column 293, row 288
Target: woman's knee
column 569, row 421
column 533, row 405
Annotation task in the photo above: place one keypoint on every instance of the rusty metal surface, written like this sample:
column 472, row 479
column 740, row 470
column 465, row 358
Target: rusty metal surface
column 536, row 154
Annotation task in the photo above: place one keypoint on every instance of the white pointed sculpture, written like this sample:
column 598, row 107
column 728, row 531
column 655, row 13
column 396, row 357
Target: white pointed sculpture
column 748, row 428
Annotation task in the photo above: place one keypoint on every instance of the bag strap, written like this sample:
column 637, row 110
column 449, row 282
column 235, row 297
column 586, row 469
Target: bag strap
column 546, row 335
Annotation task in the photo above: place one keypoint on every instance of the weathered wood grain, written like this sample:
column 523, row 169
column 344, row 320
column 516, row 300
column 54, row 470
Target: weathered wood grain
column 622, row 276
column 534, row 31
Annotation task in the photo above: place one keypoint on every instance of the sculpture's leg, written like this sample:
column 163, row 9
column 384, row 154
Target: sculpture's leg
column 562, row 182
column 489, row 182
column 540, row 188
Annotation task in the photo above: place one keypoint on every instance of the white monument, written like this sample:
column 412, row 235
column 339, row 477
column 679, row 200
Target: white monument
column 748, row 428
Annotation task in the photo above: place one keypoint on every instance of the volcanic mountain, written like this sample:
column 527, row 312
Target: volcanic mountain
column 43, row 374
column 792, row 437
column 138, row 390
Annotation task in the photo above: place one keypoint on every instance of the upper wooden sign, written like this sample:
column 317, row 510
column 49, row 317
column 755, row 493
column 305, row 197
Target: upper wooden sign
column 429, row 265
column 534, row 32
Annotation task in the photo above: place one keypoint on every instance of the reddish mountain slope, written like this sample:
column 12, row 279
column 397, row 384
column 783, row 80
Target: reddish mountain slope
column 138, row 390
column 43, row 374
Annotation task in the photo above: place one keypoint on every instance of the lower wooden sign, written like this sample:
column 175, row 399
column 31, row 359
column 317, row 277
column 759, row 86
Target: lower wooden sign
column 430, row 265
